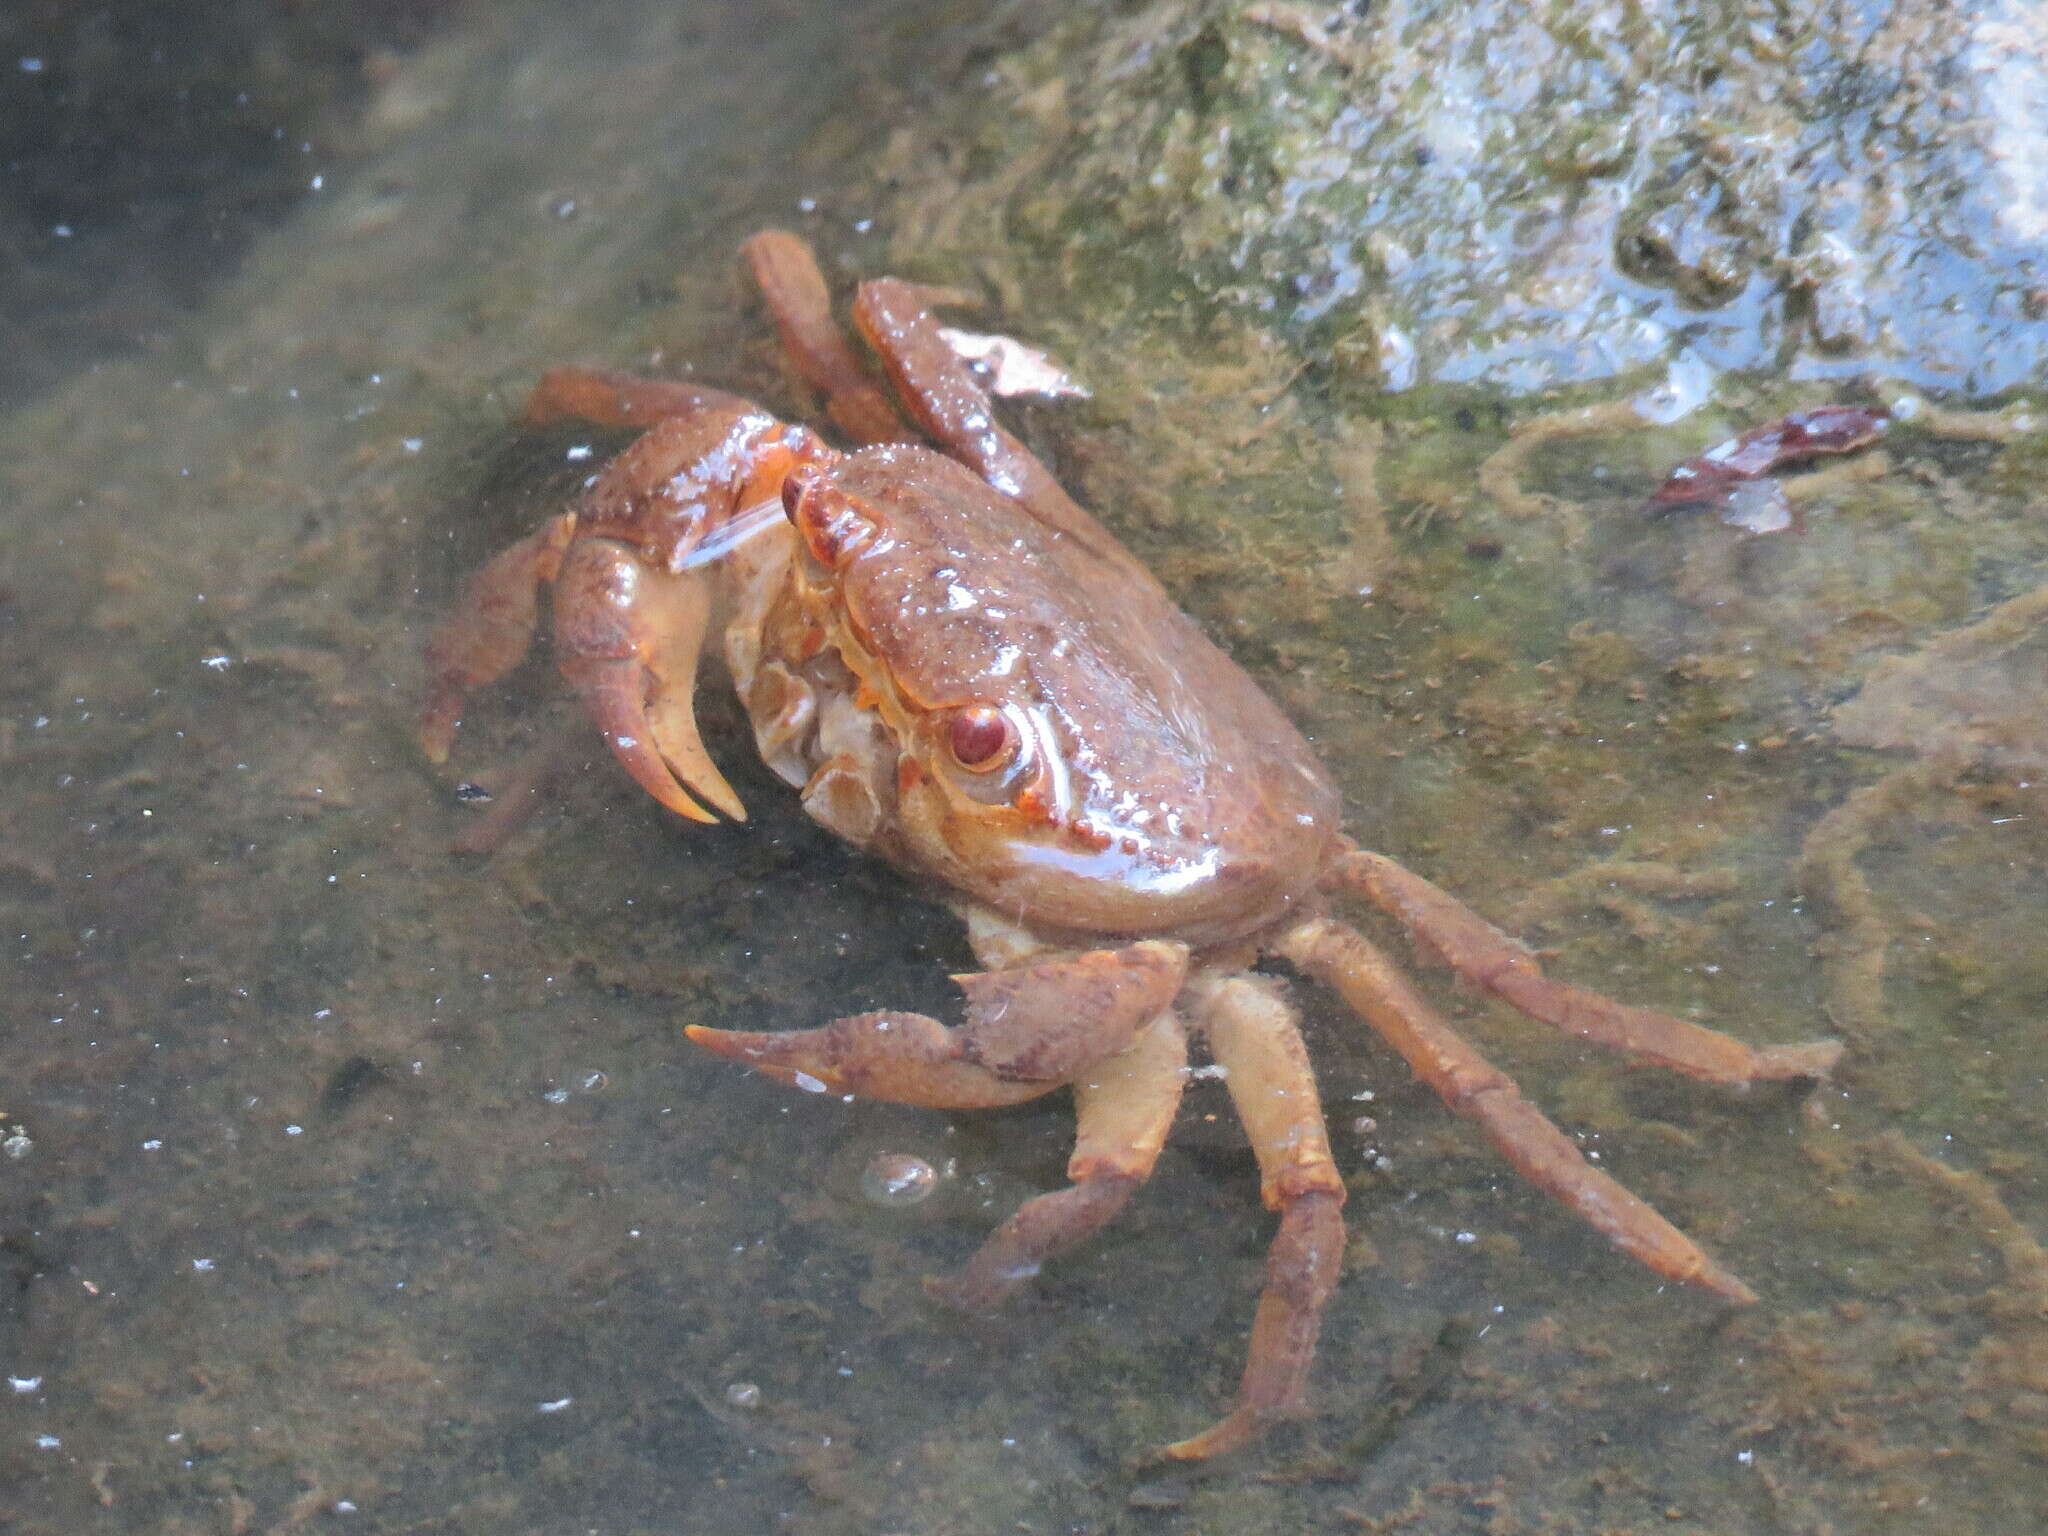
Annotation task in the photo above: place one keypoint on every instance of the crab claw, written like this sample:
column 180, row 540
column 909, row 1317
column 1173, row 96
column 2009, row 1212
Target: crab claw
column 1029, row 1029
column 902, row 1058
column 627, row 636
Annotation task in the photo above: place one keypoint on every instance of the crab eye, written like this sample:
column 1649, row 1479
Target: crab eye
column 981, row 738
column 990, row 753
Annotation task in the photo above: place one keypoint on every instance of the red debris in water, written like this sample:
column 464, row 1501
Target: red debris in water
column 1791, row 438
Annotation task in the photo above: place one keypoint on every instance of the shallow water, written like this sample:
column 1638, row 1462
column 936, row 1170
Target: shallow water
column 351, row 1183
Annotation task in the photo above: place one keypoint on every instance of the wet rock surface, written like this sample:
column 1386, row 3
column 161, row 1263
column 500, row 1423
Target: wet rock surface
column 1525, row 197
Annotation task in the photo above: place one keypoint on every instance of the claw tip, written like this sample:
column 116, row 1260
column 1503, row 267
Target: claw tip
column 1724, row 1283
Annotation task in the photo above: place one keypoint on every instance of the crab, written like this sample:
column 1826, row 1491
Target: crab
column 965, row 673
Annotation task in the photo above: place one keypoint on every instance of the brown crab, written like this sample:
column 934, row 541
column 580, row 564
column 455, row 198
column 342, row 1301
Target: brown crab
column 967, row 674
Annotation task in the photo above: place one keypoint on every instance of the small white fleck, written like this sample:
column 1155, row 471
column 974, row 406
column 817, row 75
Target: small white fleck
column 47, row 1442
column 1745, row 1457
column 203, row 1266
column 556, row 1406
column 295, row 1130
column 1465, row 1237
column 31, row 66
column 578, row 454
column 217, row 663
column 317, row 183
column 808, row 1083
column 24, row 1383
column 412, row 444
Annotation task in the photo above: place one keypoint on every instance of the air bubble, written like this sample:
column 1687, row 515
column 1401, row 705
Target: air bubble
column 897, row 1179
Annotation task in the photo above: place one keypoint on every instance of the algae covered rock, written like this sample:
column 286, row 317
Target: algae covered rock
column 1534, row 196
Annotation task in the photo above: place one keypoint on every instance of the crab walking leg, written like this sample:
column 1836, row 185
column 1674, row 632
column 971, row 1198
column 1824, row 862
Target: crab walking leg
column 490, row 629
column 1253, row 1036
column 1123, row 1109
column 1029, row 1030
column 606, row 398
column 1488, row 958
column 1473, row 1087
column 950, row 404
column 794, row 290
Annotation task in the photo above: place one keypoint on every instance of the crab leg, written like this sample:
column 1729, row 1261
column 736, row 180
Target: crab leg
column 1028, row 1030
column 489, row 631
column 950, row 404
column 606, row 398
column 1471, row 1086
column 1254, row 1037
column 1485, row 956
column 1123, row 1109
column 794, row 290
column 940, row 390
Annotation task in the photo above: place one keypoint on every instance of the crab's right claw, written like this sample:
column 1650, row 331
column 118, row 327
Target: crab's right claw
column 627, row 636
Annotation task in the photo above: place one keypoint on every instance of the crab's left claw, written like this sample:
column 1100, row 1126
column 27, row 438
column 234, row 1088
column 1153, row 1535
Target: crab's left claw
column 627, row 636
column 1029, row 1030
